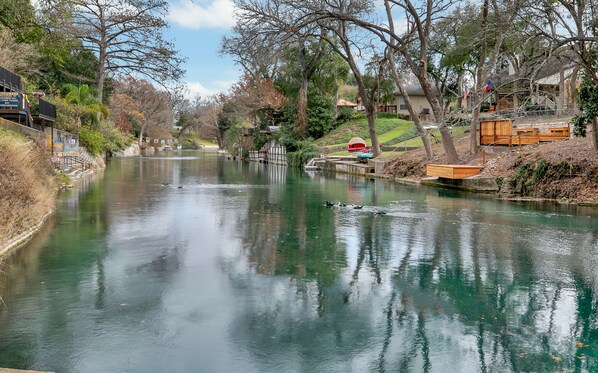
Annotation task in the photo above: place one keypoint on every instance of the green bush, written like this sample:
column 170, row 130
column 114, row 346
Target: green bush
column 93, row 140
column 114, row 138
column 387, row 115
column 260, row 139
column 306, row 150
column 345, row 114
column 540, row 170
column 63, row 179
column 320, row 113
column 231, row 138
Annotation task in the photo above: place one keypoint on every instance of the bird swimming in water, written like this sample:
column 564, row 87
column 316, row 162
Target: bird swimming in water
column 180, row 187
column 329, row 204
column 380, row 213
column 357, row 207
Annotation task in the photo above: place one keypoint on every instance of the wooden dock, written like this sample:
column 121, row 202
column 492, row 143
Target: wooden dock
column 7, row 370
column 452, row 171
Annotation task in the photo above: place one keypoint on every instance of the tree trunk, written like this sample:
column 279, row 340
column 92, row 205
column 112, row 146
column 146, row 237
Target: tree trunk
column 370, row 110
column 302, row 107
column 595, row 133
column 572, row 89
column 475, row 124
column 476, row 101
column 141, row 130
column 420, row 129
column 560, row 102
column 302, row 97
column 447, row 139
column 101, row 75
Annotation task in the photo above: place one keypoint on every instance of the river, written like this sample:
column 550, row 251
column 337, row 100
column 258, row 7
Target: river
column 244, row 269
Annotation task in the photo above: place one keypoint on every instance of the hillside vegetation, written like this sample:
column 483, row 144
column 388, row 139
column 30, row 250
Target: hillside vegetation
column 27, row 184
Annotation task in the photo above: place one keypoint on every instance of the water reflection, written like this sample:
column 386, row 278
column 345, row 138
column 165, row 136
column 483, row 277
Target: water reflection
column 246, row 269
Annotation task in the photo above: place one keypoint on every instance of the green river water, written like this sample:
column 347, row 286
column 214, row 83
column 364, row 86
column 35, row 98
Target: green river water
column 246, row 270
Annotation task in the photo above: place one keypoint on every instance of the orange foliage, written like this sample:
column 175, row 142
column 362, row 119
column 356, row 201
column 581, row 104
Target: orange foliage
column 124, row 109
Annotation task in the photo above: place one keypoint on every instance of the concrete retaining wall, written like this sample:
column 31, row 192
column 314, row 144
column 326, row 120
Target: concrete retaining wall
column 38, row 136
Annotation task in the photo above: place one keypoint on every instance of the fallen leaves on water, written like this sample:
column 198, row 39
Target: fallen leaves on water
column 555, row 358
column 580, row 345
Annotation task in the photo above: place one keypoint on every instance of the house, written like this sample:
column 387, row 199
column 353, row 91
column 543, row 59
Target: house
column 420, row 103
column 537, row 87
column 344, row 103
column 15, row 108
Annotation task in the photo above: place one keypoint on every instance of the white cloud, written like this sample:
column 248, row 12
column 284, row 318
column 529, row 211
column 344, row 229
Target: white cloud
column 217, row 86
column 195, row 15
column 196, row 88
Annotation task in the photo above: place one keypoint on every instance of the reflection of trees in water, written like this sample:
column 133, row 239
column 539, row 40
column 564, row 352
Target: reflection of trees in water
column 488, row 278
column 65, row 259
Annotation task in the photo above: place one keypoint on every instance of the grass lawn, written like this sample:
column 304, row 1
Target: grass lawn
column 414, row 142
column 206, row 142
column 387, row 129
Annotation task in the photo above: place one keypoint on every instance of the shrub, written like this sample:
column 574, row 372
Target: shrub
column 320, row 113
column 231, row 138
column 114, row 138
column 259, row 140
column 345, row 114
column 306, row 150
column 93, row 140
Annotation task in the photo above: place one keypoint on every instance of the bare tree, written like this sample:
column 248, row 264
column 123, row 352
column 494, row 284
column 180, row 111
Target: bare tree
column 154, row 106
column 201, row 117
column 258, row 53
column 345, row 46
column 414, row 116
column 572, row 24
column 126, row 36
column 15, row 56
column 413, row 44
column 271, row 26
column 496, row 22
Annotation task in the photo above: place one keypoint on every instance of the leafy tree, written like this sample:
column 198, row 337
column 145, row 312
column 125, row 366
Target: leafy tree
column 85, row 103
column 19, row 17
column 320, row 111
column 588, row 102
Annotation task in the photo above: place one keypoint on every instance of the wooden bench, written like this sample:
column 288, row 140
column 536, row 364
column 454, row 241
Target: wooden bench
column 555, row 133
column 452, row 171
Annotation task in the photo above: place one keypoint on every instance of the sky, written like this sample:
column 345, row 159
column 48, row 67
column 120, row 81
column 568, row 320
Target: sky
column 196, row 28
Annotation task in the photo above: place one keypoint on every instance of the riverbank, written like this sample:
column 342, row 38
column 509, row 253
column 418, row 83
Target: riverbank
column 565, row 171
column 29, row 187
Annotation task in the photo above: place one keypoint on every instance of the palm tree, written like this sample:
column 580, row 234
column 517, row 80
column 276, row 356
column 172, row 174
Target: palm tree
column 85, row 102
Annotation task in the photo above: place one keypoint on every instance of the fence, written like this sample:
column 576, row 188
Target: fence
column 272, row 152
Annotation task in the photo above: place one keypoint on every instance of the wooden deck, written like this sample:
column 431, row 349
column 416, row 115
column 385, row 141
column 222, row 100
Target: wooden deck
column 501, row 132
column 452, row 171
column 555, row 133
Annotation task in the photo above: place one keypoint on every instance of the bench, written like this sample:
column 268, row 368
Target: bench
column 555, row 133
column 452, row 171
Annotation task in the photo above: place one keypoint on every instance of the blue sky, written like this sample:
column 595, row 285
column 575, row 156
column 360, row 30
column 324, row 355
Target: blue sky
column 196, row 28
